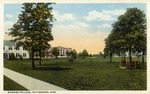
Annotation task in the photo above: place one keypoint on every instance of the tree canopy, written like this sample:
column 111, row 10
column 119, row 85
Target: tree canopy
column 128, row 33
column 33, row 27
column 84, row 53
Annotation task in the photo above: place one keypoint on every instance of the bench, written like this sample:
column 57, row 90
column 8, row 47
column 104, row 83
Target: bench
column 135, row 65
column 132, row 65
column 123, row 64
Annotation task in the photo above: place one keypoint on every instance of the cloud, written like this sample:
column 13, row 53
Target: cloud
column 104, row 15
column 71, row 27
column 95, row 15
column 115, row 12
column 9, row 16
column 104, row 26
column 63, row 17
column 76, row 36
column 81, row 24
column 8, row 25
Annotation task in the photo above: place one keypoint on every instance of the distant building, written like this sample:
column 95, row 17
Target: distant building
column 10, row 47
column 62, row 51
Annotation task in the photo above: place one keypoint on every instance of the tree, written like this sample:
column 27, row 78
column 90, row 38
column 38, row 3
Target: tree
column 73, row 54
column 90, row 55
column 79, row 54
column 68, row 54
column 55, row 52
column 128, row 33
column 109, row 47
column 132, row 29
column 33, row 28
column 85, row 53
column 100, row 53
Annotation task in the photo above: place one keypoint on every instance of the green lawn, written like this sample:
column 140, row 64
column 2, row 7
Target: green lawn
column 83, row 74
column 11, row 85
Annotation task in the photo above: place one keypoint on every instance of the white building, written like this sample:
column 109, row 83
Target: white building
column 9, row 47
column 63, row 50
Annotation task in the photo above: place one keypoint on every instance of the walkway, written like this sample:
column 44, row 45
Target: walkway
column 29, row 82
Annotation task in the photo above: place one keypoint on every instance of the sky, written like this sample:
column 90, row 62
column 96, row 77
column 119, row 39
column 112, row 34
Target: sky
column 78, row 25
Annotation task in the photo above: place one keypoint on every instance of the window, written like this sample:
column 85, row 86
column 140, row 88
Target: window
column 24, row 48
column 17, row 48
column 10, row 47
column 9, row 54
column 5, row 55
column 3, row 48
column 24, row 54
column 17, row 54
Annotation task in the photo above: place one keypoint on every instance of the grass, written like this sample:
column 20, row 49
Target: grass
column 83, row 74
column 11, row 85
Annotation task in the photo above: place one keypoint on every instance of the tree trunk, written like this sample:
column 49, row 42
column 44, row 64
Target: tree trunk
column 110, row 57
column 143, row 58
column 124, row 56
column 40, row 57
column 32, row 58
column 130, row 57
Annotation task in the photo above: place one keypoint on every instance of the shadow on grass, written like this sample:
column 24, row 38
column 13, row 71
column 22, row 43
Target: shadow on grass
column 53, row 68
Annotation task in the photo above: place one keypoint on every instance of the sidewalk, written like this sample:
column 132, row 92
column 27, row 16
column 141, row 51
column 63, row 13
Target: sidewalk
column 29, row 82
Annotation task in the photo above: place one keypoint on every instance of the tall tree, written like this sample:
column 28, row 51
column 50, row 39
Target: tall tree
column 33, row 28
column 109, row 47
column 133, row 25
column 130, row 31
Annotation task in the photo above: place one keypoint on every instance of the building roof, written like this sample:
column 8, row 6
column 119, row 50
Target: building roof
column 8, row 43
column 60, row 47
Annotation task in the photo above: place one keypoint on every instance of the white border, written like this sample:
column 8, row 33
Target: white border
column 78, row 1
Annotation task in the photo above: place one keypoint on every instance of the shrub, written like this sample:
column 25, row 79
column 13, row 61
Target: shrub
column 20, row 57
column 12, row 56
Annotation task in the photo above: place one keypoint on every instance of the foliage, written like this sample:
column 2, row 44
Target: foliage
column 128, row 34
column 55, row 52
column 68, row 54
column 85, row 53
column 36, row 54
column 73, row 54
column 90, row 55
column 33, row 28
column 100, row 53
column 12, row 56
column 79, row 54
column 20, row 57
